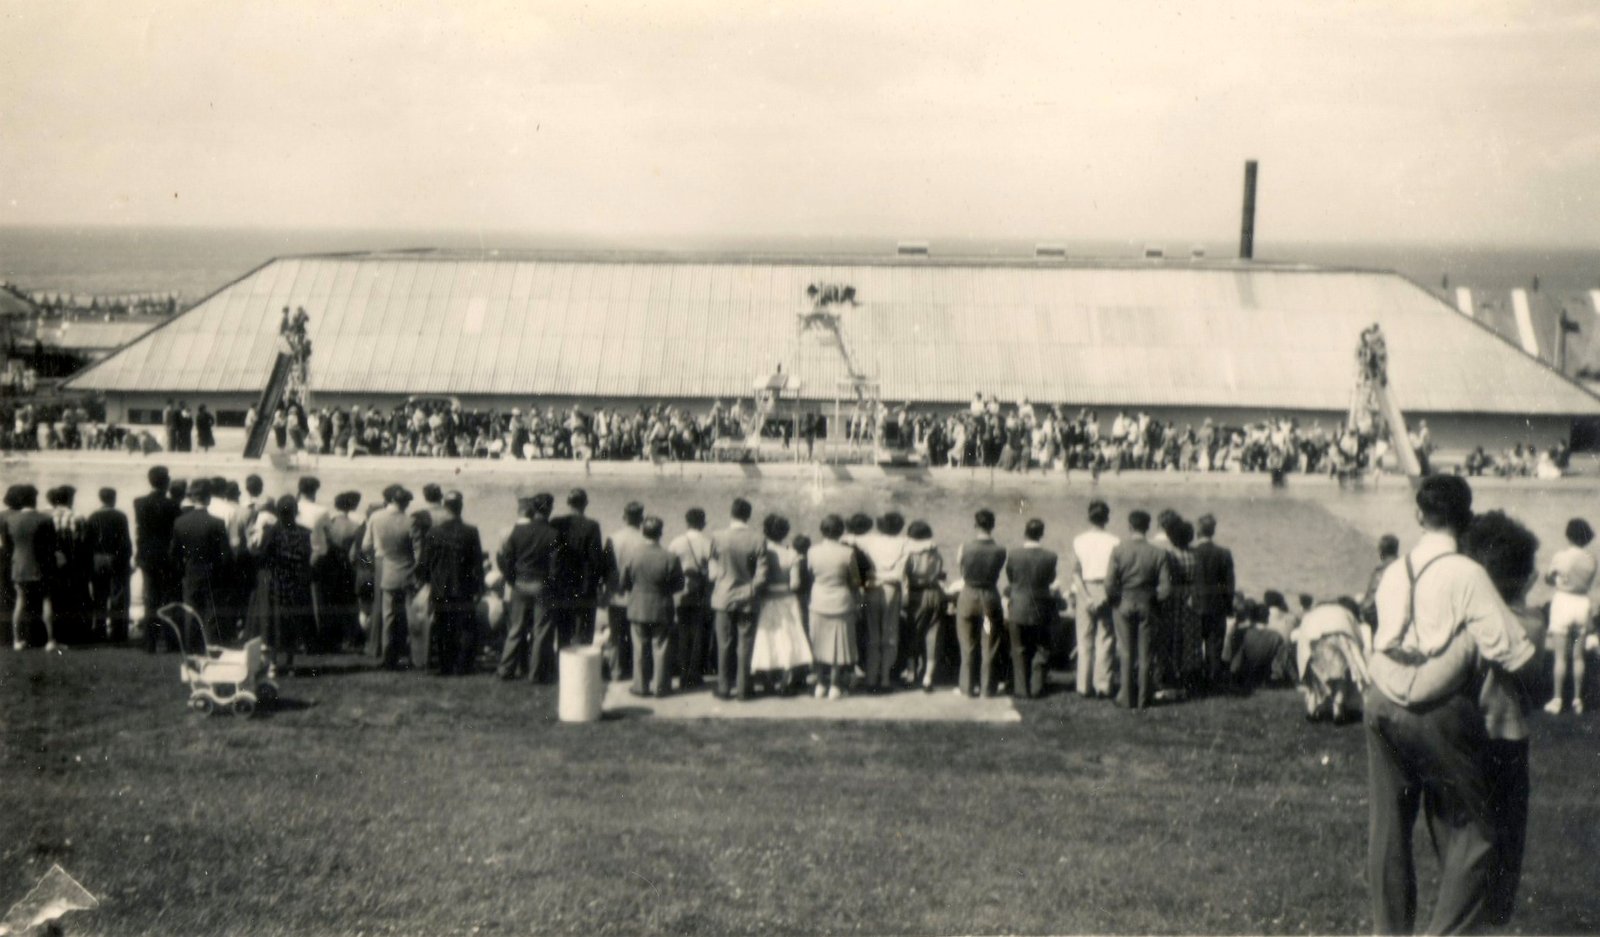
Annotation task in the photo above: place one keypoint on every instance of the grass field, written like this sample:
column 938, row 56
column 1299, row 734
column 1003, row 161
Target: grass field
column 398, row 803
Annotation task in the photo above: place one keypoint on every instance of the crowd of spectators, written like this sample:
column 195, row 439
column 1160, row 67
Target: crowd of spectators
column 1023, row 437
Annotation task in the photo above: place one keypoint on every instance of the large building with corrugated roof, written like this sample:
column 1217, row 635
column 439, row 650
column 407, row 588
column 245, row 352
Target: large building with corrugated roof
column 1230, row 340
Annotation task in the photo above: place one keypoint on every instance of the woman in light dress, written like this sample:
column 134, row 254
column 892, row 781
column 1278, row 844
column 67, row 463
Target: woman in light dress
column 782, row 650
column 835, row 602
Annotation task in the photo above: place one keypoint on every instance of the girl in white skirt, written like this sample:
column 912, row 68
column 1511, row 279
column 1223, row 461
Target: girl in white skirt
column 782, row 650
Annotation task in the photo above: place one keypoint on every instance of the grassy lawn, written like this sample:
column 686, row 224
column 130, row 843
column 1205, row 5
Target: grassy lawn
column 384, row 803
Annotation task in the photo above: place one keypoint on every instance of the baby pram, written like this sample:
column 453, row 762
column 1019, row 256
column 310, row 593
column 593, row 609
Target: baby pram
column 218, row 677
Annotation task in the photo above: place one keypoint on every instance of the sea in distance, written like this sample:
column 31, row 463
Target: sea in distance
column 193, row 262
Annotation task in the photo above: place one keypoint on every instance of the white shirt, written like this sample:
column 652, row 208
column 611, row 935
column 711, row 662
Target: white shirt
column 888, row 555
column 1454, row 593
column 1092, row 548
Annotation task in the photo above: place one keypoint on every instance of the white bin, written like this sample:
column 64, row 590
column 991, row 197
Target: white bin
column 581, row 687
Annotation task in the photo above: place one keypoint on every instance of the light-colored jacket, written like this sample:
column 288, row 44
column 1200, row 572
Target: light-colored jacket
column 835, row 579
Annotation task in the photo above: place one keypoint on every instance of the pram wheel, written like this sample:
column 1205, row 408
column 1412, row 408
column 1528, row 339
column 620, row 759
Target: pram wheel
column 203, row 705
column 267, row 693
column 244, row 706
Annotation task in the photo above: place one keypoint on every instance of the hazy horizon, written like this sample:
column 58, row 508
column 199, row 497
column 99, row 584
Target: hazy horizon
column 1463, row 123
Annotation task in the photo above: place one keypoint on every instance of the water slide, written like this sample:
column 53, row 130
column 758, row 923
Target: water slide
column 256, row 443
column 1399, row 436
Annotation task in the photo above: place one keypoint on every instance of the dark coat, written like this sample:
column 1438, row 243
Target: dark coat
column 452, row 562
column 579, row 567
column 154, row 514
column 1031, row 571
column 650, row 579
column 199, row 545
column 108, row 537
column 1213, row 579
column 526, row 556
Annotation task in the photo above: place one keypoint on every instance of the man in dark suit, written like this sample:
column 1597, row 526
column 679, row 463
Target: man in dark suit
column 524, row 559
column 578, row 573
column 388, row 538
column 739, row 568
column 978, row 612
column 30, row 538
column 651, row 576
column 1031, row 573
column 153, row 515
column 200, row 555
column 1137, row 581
column 1213, row 595
column 452, row 565
column 111, row 561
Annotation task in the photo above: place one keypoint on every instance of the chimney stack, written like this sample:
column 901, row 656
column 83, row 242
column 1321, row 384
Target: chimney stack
column 1247, row 227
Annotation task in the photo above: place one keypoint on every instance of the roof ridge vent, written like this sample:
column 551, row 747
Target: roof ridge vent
column 912, row 249
column 1045, row 250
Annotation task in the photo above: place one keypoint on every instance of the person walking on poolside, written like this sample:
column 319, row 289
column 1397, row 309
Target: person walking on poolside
column 525, row 558
column 1031, row 579
column 835, row 598
column 1213, row 596
column 738, row 571
column 620, row 549
column 694, row 637
column 111, row 558
column 651, row 576
column 1137, row 581
column 154, row 514
column 1438, row 613
column 886, row 548
column 452, row 566
column 978, row 611
column 579, row 572
column 389, row 539
column 1572, row 573
column 1091, row 559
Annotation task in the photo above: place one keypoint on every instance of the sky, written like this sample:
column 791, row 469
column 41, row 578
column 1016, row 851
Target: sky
column 1448, row 121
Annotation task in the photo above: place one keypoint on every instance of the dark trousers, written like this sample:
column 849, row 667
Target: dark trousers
column 694, row 644
column 160, row 589
column 652, row 665
column 396, row 626
column 574, row 624
column 1133, row 626
column 974, row 609
column 617, row 656
column 455, row 625
column 736, row 641
column 1506, row 767
column 529, row 647
column 199, row 593
column 1030, row 658
column 1432, row 761
column 109, row 591
column 1213, row 628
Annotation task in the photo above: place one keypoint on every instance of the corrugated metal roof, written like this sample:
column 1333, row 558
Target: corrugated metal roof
column 1192, row 334
column 92, row 334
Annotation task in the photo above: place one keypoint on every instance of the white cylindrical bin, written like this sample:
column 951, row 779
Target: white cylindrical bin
column 581, row 686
